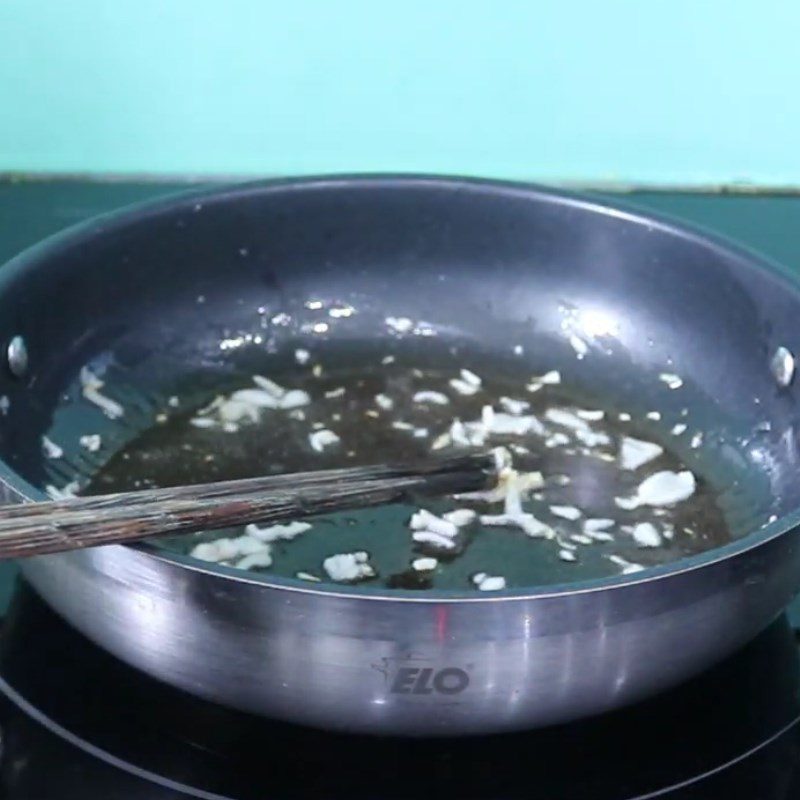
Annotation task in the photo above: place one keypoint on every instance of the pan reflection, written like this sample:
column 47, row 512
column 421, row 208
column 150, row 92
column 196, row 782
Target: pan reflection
column 172, row 736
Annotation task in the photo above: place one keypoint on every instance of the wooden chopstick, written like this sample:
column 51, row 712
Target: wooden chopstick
column 60, row 525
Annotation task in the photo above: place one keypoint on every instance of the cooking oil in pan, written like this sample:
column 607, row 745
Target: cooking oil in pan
column 600, row 493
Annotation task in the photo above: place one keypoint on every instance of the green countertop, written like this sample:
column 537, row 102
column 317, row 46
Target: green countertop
column 32, row 210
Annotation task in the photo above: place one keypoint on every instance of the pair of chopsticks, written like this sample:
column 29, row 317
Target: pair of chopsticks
column 49, row 527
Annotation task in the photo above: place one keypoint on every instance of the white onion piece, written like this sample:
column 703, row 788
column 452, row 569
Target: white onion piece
column 645, row 534
column 435, row 540
column 348, row 567
column 429, row 397
column 423, row 520
column 51, row 449
column 633, row 453
column 321, row 439
column 566, row 512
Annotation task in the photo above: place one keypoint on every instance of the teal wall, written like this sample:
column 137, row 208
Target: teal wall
column 677, row 92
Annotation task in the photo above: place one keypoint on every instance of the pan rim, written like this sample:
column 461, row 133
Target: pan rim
column 174, row 202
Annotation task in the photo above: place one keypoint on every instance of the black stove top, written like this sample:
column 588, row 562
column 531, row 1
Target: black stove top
column 78, row 724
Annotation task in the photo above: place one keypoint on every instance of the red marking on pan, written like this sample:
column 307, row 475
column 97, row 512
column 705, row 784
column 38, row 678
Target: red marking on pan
column 441, row 622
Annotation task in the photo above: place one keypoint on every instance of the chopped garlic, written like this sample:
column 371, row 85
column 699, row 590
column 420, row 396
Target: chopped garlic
column 663, row 488
column 51, row 449
column 635, row 452
column 697, row 440
column 460, row 516
column 402, row 426
column 524, row 481
column 678, row 429
column 388, row 360
column 591, row 526
column 321, row 439
column 91, row 391
column 566, row 512
column 459, row 435
column 273, row 533
column 65, row 493
column 558, row 439
column 423, row 520
column 263, row 559
column 202, row 422
column 332, row 394
column 645, row 534
column 509, row 425
column 420, row 433
column 470, row 378
column 624, row 417
column 582, row 538
column 435, row 540
column 441, row 441
column 627, row 566
column 342, row 311
column 424, row 564
column 512, row 505
column 236, row 410
column 627, row 503
column 590, row 415
column 269, row 386
column 513, row 406
column 301, row 356
column 307, row 576
column 207, row 551
column 462, row 387
column 348, row 567
column 518, row 349
column 567, row 555
column 549, row 378
column 673, row 381
column 399, row 324
column 434, row 398
column 384, row 401
column 91, row 442
column 578, row 345
column 492, row 583
column 654, row 415
column 581, row 429
column 295, row 398
column 527, row 523
column 227, row 549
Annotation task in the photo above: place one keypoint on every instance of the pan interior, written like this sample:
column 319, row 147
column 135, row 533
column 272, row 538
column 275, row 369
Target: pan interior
column 508, row 284
column 580, row 466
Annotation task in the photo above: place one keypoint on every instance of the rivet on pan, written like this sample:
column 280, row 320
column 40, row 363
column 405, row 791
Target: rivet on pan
column 782, row 366
column 17, row 356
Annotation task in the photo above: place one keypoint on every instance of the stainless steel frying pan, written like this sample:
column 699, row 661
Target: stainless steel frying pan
column 150, row 292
